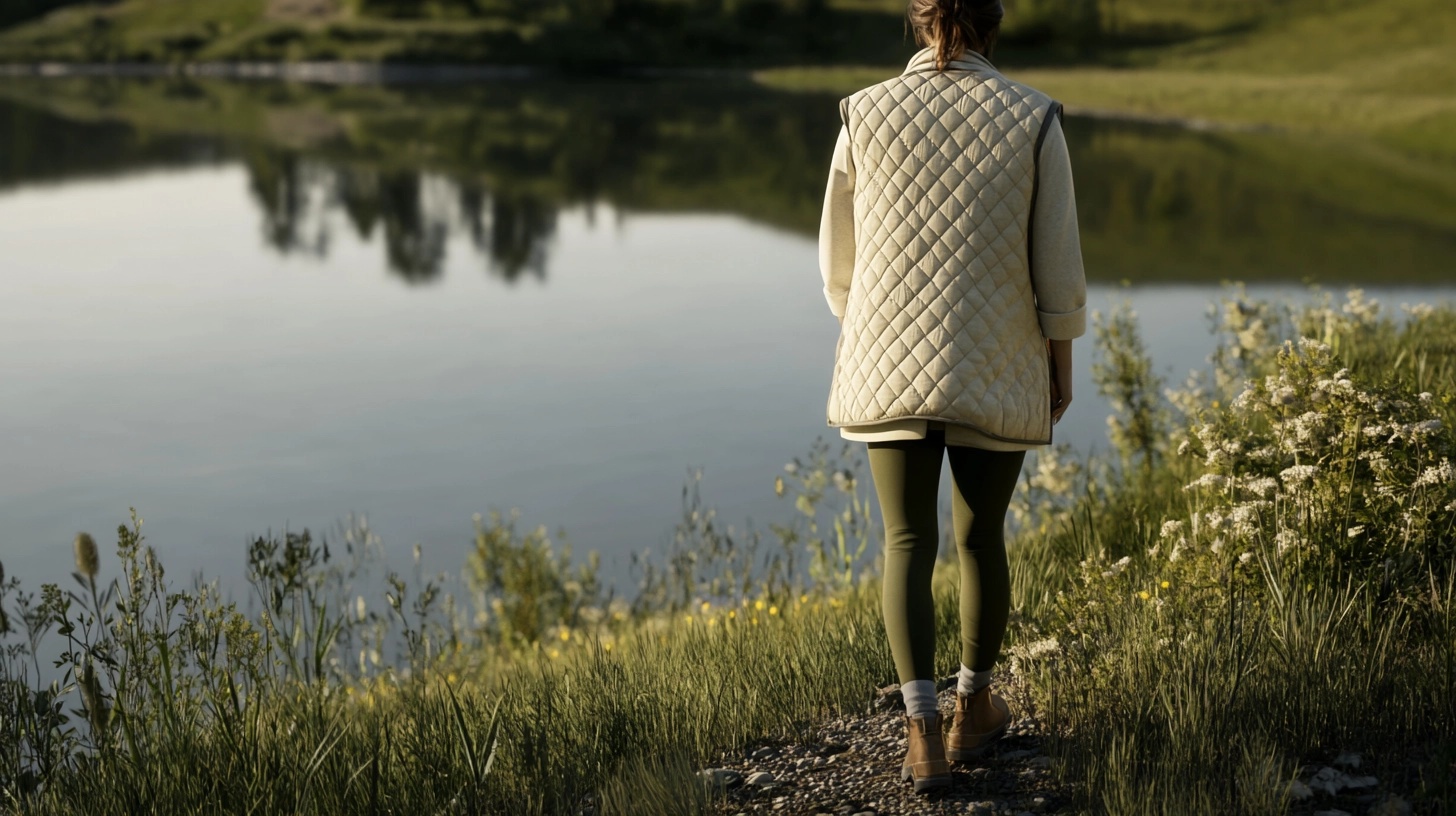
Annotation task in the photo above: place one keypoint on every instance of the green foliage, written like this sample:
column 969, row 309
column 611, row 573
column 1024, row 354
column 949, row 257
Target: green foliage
column 1293, row 555
column 1138, row 424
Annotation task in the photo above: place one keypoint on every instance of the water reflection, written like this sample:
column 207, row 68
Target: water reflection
column 501, row 161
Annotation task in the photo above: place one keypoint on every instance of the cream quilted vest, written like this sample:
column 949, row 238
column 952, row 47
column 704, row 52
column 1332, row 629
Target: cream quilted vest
column 941, row 318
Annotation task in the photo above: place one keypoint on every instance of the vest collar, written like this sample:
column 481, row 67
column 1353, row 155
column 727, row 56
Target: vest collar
column 924, row 60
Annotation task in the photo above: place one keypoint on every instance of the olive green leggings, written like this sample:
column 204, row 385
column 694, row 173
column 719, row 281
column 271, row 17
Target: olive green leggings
column 907, row 479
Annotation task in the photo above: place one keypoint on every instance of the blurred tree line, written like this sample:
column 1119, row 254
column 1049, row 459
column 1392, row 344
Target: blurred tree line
column 15, row 11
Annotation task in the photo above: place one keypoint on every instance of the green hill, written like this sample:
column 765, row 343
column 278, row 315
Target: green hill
column 1382, row 69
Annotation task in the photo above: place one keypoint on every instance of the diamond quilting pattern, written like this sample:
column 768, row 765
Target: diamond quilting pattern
column 941, row 320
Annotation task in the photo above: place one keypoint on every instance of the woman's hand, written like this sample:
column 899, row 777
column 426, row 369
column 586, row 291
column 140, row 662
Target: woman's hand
column 1059, row 355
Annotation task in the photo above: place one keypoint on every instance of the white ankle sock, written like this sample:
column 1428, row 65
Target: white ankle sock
column 919, row 698
column 971, row 682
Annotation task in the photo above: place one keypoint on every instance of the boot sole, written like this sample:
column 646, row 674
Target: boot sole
column 967, row 754
column 926, row 783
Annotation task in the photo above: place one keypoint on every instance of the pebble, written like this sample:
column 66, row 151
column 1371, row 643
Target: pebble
column 760, row 778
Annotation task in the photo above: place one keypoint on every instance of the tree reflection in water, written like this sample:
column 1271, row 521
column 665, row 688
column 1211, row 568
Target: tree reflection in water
column 417, row 165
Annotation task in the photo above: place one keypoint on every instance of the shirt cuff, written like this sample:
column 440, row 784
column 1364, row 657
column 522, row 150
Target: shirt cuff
column 838, row 302
column 1063, row 325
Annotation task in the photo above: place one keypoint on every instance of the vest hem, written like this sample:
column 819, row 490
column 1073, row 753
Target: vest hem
column 973, row 426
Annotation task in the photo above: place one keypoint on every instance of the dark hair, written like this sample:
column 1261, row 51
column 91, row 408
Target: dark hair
column 955, row 25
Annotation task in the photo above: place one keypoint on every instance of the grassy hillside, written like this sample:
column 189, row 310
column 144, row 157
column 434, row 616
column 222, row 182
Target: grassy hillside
column 1378, row 68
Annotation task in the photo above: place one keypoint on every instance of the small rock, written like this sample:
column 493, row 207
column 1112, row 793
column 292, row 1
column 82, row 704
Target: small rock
column 1298, row 790
column 727, row 777
column 820, row 762
column 889, row 698
column 760, row 778
column 865, row 813
column 1040, row 762
column 984, row 808
column 1348, row 759
column 1394, row 806
column 764, row 753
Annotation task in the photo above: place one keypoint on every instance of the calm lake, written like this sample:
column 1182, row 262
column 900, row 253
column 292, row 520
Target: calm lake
column 245, row 307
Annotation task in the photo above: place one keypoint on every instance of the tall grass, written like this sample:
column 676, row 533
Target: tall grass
column 1194, row 616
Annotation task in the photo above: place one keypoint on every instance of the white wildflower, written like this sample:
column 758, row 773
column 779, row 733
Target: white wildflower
column 1284, row 396
column 1297, row 474
column 1217, row 545
column 1184, row 446
column 1207, row 480
column 1428, row 426
column 1244, row 558
column 1244, row 397
column 1355, row 531
column 1419, row 310
column 1264, row 486
column 1360, row 307
column 1425, row 396
column 1308, row 344
column 1443, row 473
column 1043, row 648
column 1170, row 527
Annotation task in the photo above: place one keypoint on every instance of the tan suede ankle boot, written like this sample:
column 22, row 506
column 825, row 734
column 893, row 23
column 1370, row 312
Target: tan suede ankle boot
column 925, row 760
column 980, row 719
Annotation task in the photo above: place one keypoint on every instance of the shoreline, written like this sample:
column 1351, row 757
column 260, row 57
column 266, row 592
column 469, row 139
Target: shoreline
column 374, row 73
column 346, row 72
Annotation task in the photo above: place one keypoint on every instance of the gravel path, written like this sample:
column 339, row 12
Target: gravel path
column 851, row 767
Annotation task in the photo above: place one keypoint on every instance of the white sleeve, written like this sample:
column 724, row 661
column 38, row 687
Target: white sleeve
column 1057, row 276
column 836, row 228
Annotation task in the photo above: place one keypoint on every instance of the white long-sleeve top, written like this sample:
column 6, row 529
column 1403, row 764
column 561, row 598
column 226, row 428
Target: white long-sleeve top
column 1056, row 271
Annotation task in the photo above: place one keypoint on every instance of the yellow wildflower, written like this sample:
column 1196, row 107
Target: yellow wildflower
column 554, row 654
column 733, row 613
column 706, row 606
column 758, row 604
column 1143, row 593
column 687, row 618
column 451, row 678
column 607, row 646
column 1165, row 585
column 803, row 599
column 566, row 634
column 755, row 620
column 773, row 610
column 712, row 621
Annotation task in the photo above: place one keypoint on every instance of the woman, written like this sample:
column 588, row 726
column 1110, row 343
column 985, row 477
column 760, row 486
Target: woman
column 950, row 254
